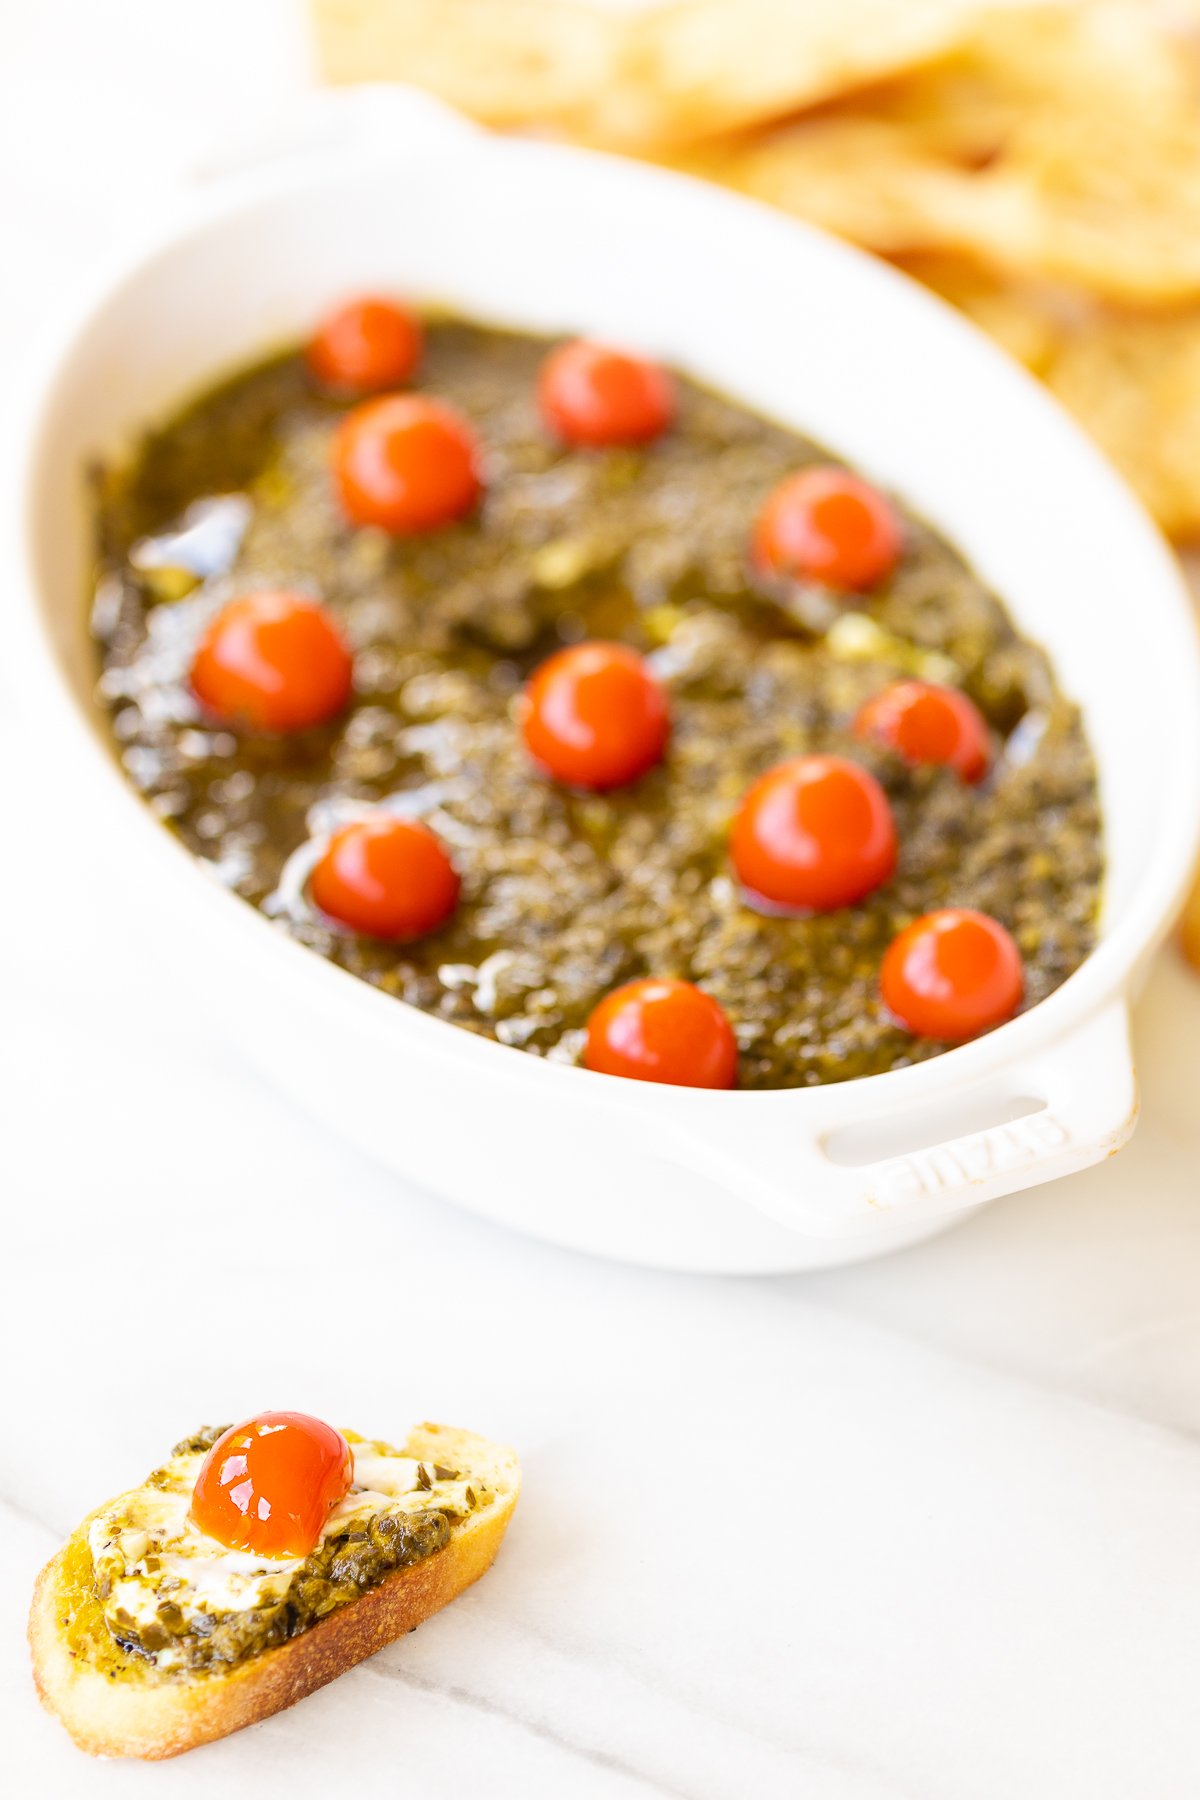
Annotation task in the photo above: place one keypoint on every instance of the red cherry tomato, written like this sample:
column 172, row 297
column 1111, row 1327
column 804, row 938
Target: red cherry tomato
column 662, row 1031
column 596, row 397
column 814, row 833
column 952, row 974
column 269, row 1485
column 594, row 716
column 927, row 724
column 386, row 878
column 824, row 524
column 405, row 463
column 366, row 346
column 273, row 661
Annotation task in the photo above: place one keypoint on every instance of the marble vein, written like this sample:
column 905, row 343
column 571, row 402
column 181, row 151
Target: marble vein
column 599, row 1759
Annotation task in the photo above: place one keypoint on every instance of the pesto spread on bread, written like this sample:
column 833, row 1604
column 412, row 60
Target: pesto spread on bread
column 177, row 1599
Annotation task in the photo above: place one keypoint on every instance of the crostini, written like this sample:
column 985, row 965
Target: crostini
column 258, row 1563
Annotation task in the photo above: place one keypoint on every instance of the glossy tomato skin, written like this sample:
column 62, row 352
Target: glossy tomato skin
column 386, row 878
column 366, row 346
column 597, row 398
column 824, row 524
column 952, row 974
column 406, row 463
column 665, row 1031
column 273, row 661
column 928, row 724
column 813, row 834
column 595, row 716
column 268, row 1485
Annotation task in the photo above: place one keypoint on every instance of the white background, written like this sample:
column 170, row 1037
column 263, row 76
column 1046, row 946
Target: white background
column 927, row 1529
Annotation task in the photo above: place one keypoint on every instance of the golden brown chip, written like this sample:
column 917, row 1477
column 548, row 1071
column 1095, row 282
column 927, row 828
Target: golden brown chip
column 507, row 62
column 1100, row 53
column 860, row 177
column 1078, row 130
column 1058, row 146
column 696, row 68
column 1189, row 926
column 668, row 73
column 1134, row 383
column 1115, row 210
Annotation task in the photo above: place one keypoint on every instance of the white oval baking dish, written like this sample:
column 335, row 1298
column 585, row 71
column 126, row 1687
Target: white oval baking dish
column 394, row 192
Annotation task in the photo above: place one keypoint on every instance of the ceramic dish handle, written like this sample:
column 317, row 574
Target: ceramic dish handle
column 1055, row 1110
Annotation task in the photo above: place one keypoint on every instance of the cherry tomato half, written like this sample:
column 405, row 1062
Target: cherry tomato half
column 928, row 724
column 273, row 661
column 406, row 463
column 813, row 834
column 386, row 878
column 595, row 716
column 824, row 524
column 596, row 397
column 366, row 346
column 662, row 1031
column 269, row 1485
column 952, row 974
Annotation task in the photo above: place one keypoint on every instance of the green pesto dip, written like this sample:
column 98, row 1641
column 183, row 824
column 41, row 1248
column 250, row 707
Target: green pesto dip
column 567, row 894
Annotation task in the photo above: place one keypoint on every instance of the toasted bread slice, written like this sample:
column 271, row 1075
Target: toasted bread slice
column 119, row 1704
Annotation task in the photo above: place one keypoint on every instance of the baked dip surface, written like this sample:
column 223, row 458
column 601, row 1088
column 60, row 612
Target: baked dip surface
column 567, row 894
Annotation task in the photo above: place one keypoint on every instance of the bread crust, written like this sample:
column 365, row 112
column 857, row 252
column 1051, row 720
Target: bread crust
column 159, row 1717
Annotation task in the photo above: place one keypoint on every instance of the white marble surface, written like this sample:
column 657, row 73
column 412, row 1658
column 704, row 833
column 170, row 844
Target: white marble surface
column 924, row 1530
